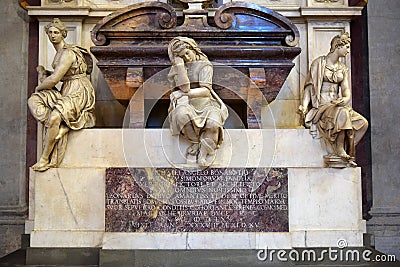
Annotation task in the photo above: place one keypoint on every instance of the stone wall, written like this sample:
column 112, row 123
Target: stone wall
column 384, row 64
column 13, row 88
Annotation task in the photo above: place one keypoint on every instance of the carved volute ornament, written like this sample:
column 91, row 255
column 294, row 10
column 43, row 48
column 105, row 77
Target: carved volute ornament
column 71, row 107
column 196, row 112
column 326, row 106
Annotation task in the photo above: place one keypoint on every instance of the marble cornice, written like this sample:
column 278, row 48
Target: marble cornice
column 287, row 11
column 331, row 12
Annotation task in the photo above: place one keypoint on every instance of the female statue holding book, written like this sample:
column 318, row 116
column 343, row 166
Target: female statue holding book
column 72, row 107
column 326, row 104
column 196, row 112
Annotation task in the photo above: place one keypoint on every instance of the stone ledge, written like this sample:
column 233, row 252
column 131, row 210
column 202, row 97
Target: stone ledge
column 258, row 148
column 333, row 12
column 13, row 215
column 16, row 210
column 181, row 258
column 67, row 239
column 217, row 258
column 193, row 241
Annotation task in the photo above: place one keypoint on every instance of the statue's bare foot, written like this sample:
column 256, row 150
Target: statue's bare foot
column 207, row 160
column 63, row 130
column 343, row 154
column 351, row 163
column 204, row 163
column 193, row 150
column 41, row 166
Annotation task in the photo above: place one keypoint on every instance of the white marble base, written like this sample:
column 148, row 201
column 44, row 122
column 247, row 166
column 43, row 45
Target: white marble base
column 324, row 204
column 66, row 239
column 177, row 241
column 323, row 199
column 69, row 199
column 225, row 240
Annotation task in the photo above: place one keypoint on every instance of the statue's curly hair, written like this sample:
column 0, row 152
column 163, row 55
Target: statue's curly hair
column 57, row 23
column 340, row 40
column 179, row 43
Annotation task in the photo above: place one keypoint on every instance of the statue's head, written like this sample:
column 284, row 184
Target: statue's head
column 57, row 23
column 179, row 45
column 340, row 41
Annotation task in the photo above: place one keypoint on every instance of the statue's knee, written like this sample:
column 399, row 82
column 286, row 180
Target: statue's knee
column 32, row 101
column 344, row 114
column 366, row 124
column 55, row 118
column 212, row 125
column 183, row 119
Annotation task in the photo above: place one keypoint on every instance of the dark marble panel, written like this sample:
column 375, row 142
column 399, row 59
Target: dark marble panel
column 196, row 200
column 275, row 78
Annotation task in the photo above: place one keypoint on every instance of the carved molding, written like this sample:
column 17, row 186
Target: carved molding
column 63, row 2
column 135, row 17
column 226, row 18
column 13, row 215
column 327, row 3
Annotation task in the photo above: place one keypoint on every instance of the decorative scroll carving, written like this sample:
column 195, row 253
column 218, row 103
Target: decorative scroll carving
column 144, row 16
column 227, row 16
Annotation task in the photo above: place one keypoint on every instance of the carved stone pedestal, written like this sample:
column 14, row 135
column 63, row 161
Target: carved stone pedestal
column 332, row 161
column 80, row 204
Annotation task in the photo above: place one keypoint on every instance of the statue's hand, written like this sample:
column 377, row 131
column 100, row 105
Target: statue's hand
column 176, row 95
column 40, row 68
column 338, row 102
column 42, row 73
column 302, row 110
column 178, row 60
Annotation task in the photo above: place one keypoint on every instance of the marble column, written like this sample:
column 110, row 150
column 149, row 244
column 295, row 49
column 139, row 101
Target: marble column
column 384, row 65
column 13, row 110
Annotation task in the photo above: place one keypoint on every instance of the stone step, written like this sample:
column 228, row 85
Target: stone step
column 78, row 257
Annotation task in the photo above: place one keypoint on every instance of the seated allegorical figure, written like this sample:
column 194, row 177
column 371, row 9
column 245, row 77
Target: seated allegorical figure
column 196, row 112
column 326, row 104
column 71, row 108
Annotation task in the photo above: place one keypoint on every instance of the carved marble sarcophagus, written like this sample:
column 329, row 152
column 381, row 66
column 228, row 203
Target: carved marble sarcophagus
column 255, row 41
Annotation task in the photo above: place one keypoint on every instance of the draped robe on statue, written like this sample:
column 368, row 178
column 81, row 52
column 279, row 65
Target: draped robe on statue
column 325, row 119
column 75, row 101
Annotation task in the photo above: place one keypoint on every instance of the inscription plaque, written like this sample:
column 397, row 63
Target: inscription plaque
column 196, row 200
